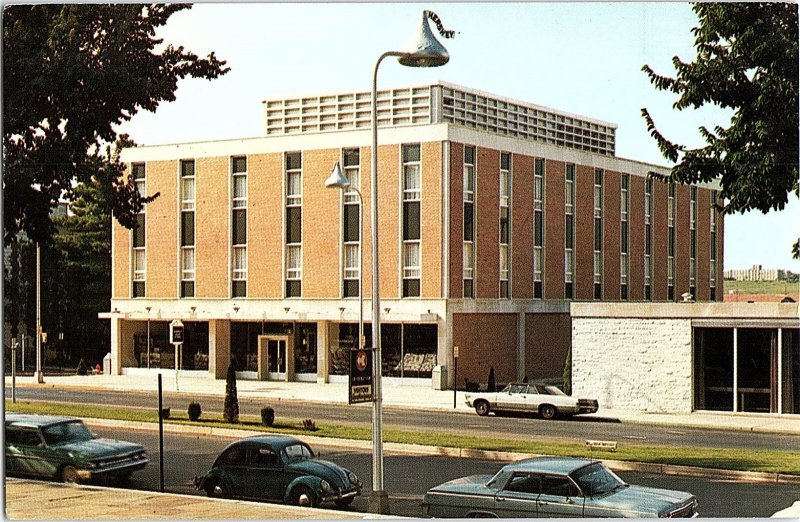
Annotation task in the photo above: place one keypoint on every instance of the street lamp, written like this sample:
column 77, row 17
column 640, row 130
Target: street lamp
column 423, row 50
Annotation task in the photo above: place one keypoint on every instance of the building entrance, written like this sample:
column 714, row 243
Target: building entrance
column 274, row 357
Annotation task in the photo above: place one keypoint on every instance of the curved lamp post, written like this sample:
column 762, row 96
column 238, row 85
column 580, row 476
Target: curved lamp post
column 423, row 50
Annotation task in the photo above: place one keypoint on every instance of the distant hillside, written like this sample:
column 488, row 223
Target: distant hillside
column 761, row 291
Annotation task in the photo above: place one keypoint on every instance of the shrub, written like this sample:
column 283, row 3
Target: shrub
column 267, row 416
column 165, row 413
column 83, row 369
column 231, row 412
column 194, row 411
column 309, row 425
column 567, row 373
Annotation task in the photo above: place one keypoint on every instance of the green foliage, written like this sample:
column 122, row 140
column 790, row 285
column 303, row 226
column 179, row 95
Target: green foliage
column 747, row 61
column 567, row 373
column 71, row 73
column 309, row 425
column 231, row 411
column 194, row 411
column 267, row 416
column 83, row 369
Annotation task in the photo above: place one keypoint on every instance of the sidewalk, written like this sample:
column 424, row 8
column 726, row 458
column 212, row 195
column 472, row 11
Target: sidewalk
column 395, row 395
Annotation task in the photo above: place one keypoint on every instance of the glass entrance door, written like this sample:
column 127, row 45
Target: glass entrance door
column 276, row 359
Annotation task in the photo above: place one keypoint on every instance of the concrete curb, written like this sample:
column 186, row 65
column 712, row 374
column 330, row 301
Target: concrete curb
column 504, row 456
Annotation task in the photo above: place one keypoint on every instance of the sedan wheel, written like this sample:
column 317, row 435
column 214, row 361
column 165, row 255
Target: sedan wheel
column 547, row 411
column 482, row 408
column 69, row 474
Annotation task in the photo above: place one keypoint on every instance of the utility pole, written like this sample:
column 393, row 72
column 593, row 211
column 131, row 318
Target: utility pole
column 39, row 374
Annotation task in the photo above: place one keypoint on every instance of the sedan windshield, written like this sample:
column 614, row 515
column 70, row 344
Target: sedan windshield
column 298, row 452
column 596, row 479
column 73, row 431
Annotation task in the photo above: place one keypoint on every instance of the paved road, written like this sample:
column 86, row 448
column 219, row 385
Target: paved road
column 576, row 430
column 406, row 478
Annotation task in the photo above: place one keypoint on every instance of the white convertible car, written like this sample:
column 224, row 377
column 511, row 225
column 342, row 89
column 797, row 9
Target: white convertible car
column 546, row 400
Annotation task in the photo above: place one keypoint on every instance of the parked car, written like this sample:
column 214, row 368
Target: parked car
column 545, row 399
column 554, row 487
column 278, row 468
column 63, row 448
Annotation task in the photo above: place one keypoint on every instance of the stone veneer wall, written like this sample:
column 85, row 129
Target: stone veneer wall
column 632, row 363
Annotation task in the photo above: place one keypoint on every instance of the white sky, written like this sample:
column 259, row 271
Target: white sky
column 583, row 58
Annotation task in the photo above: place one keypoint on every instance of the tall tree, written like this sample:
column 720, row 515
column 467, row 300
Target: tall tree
column 747, row 61
column 71, row 72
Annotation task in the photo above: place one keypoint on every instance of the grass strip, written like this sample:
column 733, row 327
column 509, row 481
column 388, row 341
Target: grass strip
column 769, row 461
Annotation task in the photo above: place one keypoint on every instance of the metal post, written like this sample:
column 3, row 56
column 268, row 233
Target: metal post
column 39, row 374
column 14, row 371
column 24, row 335
column 160, row 436
column 148, row 337
column 455, row 373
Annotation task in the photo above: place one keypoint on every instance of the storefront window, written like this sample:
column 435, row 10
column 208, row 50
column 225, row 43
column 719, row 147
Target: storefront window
column 790, row 368
column 194, row 354
column 305, row 348
column 407, row 350
column 244, row 345
column 162, row 353
column 419, row 350
column 756, row 347
column 713, row 359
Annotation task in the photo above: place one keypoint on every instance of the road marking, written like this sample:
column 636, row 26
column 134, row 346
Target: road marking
column 635, row 437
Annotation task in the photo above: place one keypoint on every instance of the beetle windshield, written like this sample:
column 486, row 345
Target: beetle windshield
column 596, row 479
column 73, row 431
column 298, row 452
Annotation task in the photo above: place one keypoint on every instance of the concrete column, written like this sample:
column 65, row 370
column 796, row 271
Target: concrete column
column 219, row 347
column 116, row 346
column 323, row 349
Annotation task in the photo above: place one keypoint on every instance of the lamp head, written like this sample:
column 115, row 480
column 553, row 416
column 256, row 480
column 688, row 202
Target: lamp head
column 424, row 50
column 337, row 178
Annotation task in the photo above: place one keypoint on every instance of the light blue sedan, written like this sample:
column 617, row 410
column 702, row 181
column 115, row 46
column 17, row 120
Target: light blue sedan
column 554, row 487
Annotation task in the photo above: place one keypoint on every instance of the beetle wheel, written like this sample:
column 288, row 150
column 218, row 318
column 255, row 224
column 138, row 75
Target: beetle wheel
column 547, row 411
column 482, row 408
column 303, row 496
column 69, row 474
column 214, row 489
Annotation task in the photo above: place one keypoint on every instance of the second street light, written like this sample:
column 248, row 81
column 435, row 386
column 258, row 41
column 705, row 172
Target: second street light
column 424, row 50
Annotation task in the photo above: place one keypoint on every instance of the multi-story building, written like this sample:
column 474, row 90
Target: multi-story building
column 494, row 216
column 758, row 273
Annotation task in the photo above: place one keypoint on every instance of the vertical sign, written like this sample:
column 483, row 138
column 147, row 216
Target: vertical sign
column 176, row 338
column 360, row 378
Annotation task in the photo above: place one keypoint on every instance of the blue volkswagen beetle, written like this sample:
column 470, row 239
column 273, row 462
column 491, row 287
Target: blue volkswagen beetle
column 554, row 487
column 280, row 469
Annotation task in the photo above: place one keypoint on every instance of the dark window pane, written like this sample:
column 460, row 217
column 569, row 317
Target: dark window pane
column 240, row 227
column 505, row 161
column 693, row 291
column 693, row 244
column 648, row 240
column 239, row 289
column 568, row 290
column 598, row 177
column 648, row 295
column 713, row 245
column 539, row 167
column 411, row 152
column 713, row 293
column 410, row 287
column 137, row 170
column 569, row 237
column 671, row 293
column 139, row 231
column 239, row 164
column 671, row 240
column 138, row 289
column 187, row 168
column 351, row 232
column 187, row 288
column 294, row 161
column 672, row 190
column 598, row 234
column 571, row 172
column 624, row 292
column 294, row 229
column 538, row 228
column 504, row 289
column 350, row 157
column 648, row 186
column 504, row 225
column 411, row 225
column 598, row 291
column 469, row 227
column 351, row 288
column 469, row 155
column 293, row 288
column 187, row 228
column 625, row 181
column 537, row 289
column 468, row 288
column 623, row 247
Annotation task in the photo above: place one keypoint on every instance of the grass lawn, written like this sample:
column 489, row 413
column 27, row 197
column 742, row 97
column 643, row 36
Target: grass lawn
column 762, row 287
column 716, row 458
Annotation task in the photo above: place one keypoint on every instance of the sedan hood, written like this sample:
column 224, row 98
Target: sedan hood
column 333, row 473
column 99, row 448
column 644, row 501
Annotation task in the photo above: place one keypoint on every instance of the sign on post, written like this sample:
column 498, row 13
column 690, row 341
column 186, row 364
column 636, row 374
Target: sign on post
column 360, row 378
column 176, row 338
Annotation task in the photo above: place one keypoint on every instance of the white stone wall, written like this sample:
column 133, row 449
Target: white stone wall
column 632, row 363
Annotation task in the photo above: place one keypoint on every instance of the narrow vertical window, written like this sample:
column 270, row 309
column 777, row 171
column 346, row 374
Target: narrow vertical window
column 505, row 198
column 412, row 196
column 469, row 222
column 139, row 257
column 648, row 239
column 624, row 200
column 352, row 231
column 713, row 254
column 187, row 228
column 294, row 224
column 569, row 231
column 693, row 242
column 538, row 227
column 239, row 225
column 671, row 243
column 598, row 234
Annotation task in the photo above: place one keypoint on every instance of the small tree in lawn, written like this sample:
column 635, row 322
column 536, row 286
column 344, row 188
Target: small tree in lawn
column 231, row 412
column 490, row 386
